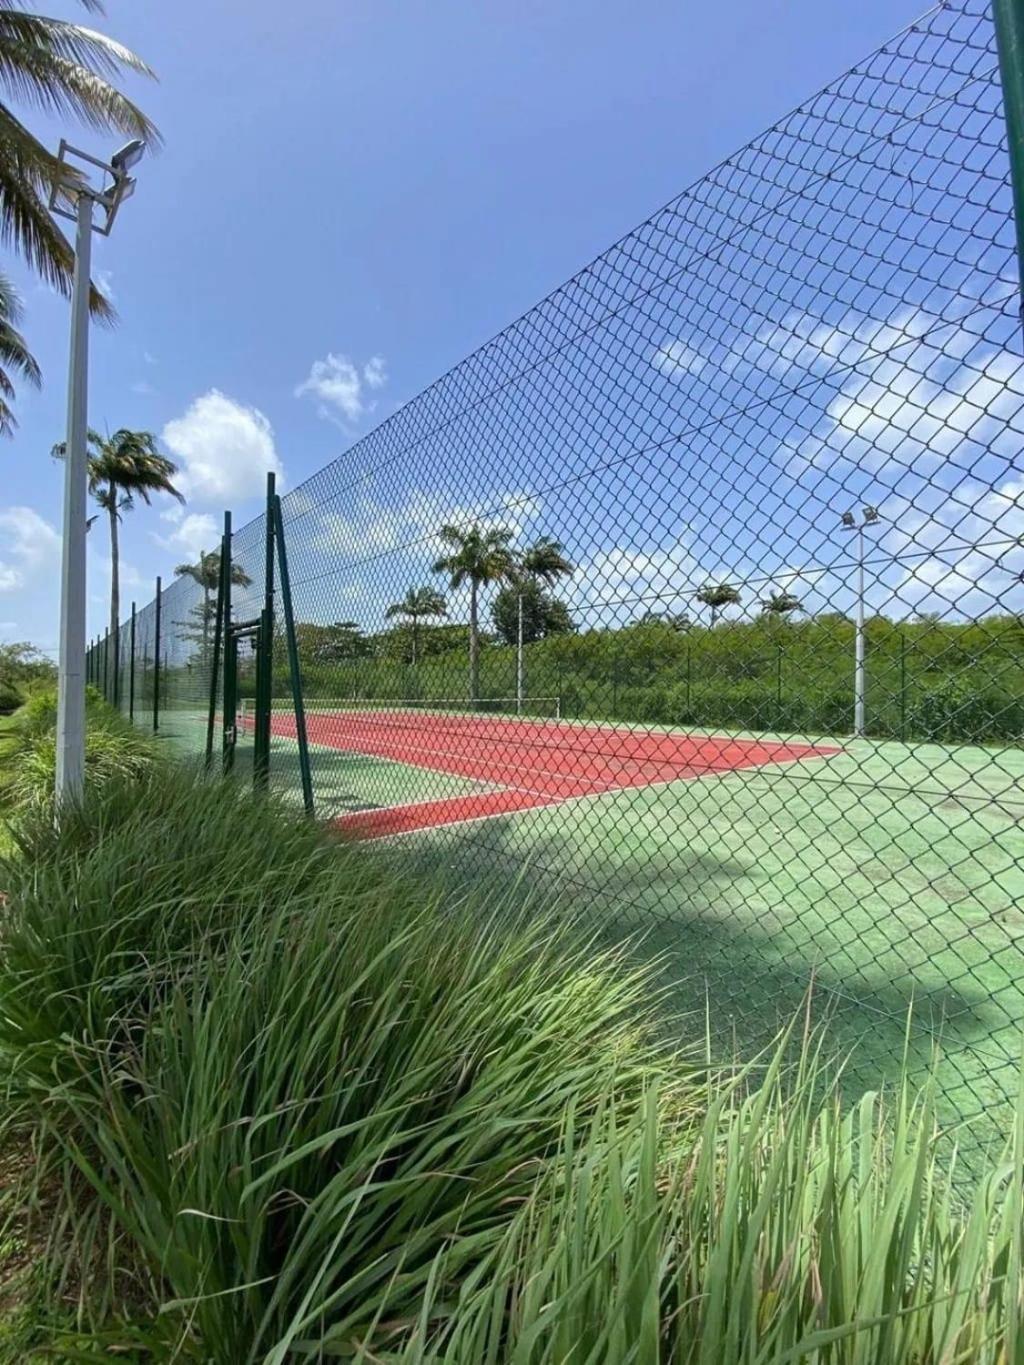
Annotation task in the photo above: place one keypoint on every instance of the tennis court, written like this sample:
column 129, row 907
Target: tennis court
column 514, row 762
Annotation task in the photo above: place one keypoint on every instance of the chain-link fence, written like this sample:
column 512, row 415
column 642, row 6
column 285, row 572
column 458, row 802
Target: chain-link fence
column 697, row 594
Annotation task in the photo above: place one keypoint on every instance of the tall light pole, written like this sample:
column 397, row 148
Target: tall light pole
column 74, row 196
column 849, row 522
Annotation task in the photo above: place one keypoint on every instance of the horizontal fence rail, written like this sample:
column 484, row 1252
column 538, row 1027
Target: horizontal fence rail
column 696, row 596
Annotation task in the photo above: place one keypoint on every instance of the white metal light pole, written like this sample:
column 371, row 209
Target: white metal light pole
column 850, row 523
column 75, row 198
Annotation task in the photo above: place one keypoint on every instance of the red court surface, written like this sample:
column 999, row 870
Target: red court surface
column 528, row 763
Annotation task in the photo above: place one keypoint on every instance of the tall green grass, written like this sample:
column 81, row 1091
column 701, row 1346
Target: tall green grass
column 114, row 750
column 290, row 1106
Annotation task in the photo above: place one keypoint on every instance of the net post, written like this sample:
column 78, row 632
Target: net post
column 1008, row 17
column 131, row 666
column 156, row 658
column 293, row 660
column 224, row 570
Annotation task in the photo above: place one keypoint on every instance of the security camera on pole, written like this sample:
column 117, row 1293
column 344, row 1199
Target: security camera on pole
column 870, row 517
column 75, row 197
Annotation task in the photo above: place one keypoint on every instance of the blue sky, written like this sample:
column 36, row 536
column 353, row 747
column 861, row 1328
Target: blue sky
column 353, row 197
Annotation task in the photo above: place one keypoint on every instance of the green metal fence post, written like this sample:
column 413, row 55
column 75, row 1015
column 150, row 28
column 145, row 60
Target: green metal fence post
column 1009, row 24
column 218, row 627
column 689, row 673
column 230, row 693
column 778, row 684
column 131, row 667
column 293, row 661
column 106, row 664
column 903, row 684
column 156, row 659
column 264, row 667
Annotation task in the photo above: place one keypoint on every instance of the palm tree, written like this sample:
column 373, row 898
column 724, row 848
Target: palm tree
column 479, row 556
column 123, row 467
column 14, row 354
column 780, row 604
column 206, row 572
column 58, row 68
column 716, row 596
column 544, row 561
column 418, row 603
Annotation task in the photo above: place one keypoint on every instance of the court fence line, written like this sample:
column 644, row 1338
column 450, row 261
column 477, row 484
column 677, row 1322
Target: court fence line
column 751, row 479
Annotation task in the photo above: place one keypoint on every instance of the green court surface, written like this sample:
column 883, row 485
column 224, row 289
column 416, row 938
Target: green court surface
column 889, row 876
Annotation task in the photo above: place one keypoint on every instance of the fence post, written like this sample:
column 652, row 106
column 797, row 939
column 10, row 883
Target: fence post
column 224, row 572
column 131, row 667
column 1008, row 16
column 156, row 660
column 778, row 684
column 264, row 670
column 689, row 673
column 903, row 684
column 229, row 720
column 293, row 661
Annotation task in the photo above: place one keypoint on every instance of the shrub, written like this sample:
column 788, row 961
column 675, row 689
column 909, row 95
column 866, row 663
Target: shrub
column 113, row 749
column 207, row 1005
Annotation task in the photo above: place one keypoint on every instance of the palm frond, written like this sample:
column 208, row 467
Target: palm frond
column 26, row 223
column 63, row 87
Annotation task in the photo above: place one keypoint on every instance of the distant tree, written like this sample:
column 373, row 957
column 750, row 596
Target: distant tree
column 206, row 572
column 22, row 667
column 122, row 467
column 543, row 614
column 417, row 605
column 780, row 604
column 717, row 596
column 678, row 621
column 479, row 555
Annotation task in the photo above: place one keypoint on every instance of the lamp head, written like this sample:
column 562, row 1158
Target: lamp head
column 848, row 521
column 128, row 156
column 871, row 515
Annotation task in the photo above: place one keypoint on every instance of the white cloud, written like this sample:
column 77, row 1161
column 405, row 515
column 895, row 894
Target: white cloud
column 28, row 545
column 375, row 372
column 143, row 387
column 103, row 280
column 224, row 449
column 374, row 528
column 677, row 358
column 339, row 383
column 195, row 534
column 964, row 556
column 149, row 358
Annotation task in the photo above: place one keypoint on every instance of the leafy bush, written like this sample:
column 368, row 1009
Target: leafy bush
column 113, row 749
column 208, row 1005
column 291, row 1106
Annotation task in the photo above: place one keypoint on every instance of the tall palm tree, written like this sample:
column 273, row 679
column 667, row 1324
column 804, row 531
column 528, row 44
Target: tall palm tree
column 417, row 604
column 716, row 596
column 123, row 467
column 780, row 604
column 479, row 555
column 14, row 354
column 59, row 68
column 206, row 572
column 545, row 561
